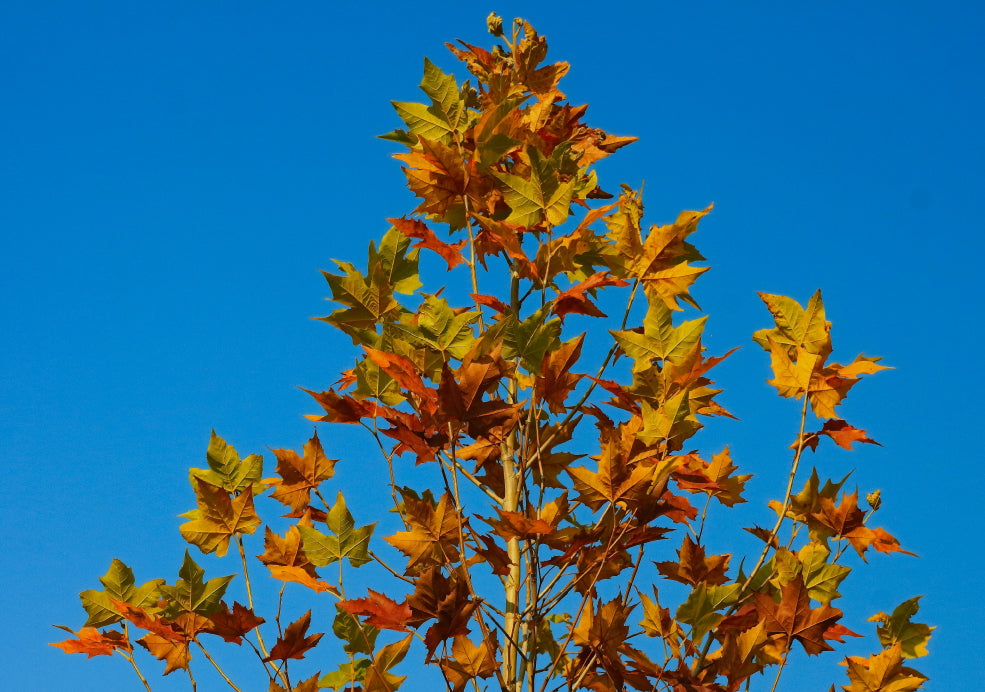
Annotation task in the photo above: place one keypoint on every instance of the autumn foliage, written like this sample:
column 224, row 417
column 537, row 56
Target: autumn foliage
column 562, row 542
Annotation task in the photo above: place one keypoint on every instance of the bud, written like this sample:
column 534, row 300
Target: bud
column 495, row 24
column 874, row 499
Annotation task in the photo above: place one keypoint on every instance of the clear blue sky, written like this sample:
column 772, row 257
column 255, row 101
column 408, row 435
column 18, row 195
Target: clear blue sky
column 173, row 176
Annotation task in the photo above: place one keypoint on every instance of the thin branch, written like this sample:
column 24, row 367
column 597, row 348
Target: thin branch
column 213, row 662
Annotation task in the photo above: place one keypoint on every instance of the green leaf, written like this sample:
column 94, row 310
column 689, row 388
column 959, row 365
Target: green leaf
column 444, row 93
column 345, row 540
column 191, row 594
column 531, row 339
column 450, row 333
column 118, row 585
column 424, row 121
column 368, row 301
column 912, row 636
column 543, row 194
column 699, row 610
column 348, row 673
column 399, row 266
column 226, row 470
column 660, row 339
column 820, row 578
column 795, row 326
column 359, row 638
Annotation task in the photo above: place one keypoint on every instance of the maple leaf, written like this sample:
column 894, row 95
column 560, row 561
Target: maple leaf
column 544, row 195
column 898, row 629
column 226, row 470
column 693, row 567
column 447, row 600
column 700, row 609
column 232, row 625
column 883, row 672
column 469, row 661
column 794, row 618
column 433, row 535
column 294, row 643
column 299, row 576
column 175, row 653
column 286, row 551
column 575, row 300
column 299, row 475
column 380, row 610
column 796, row 326
column 844, row 434
column 118, row 585
column 92, row 642
column 418, row 230
column 556, row 380
column 191, row 593
column 820, row 577
column 158, row 625
column 345, row 541
column 518, row 525
column 378, row 676
column 219, row 517
column 347, row 675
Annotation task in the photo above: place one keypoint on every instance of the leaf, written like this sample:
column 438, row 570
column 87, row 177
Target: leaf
column 542, row 195
column 175, row 653
column 418, row 230
column 530, row 339
column 219, row 517
column 700, row 608
column 898, row 629
column 226, row 470
column 380, row 611
column 820, row 578
column 693, row 567
column 794, row 618
column 433, row 535
column 232, row 625
column 294, row 643
column 359, row 638
column 92, row 642
column 347, row 675
column 844, row 434
column 118, row 585
column 378, row 677
column 575, row 300
column 556, row 381
column 286, row 551
column 660, row 338
column 469, row 661
column 309, row 685
column 796, row 327
column 300, row 475
column 191, row 594
column 883, row 672
column 345, row 540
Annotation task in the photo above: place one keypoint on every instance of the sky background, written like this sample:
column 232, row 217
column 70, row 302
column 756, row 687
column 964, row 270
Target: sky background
column 173, row 176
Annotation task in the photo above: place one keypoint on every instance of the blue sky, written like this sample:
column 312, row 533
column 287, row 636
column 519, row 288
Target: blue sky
column 174, row 175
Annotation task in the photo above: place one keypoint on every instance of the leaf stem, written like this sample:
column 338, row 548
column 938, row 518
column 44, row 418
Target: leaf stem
column 249, row 596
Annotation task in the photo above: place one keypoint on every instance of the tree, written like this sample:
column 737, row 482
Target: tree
column 531, row 566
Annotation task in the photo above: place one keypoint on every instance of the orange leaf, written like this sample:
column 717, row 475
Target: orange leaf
column 300, row 475
column 92, row 642
column 380, row 611
column 412, row 228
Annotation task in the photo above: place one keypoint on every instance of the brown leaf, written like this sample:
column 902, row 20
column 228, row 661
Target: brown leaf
column 576, row 300
column 693, row 567
column 380, row 611
column 794, row 618
column 232, row 625
column 844, row 434
column 294, row 643
column 175, row 653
